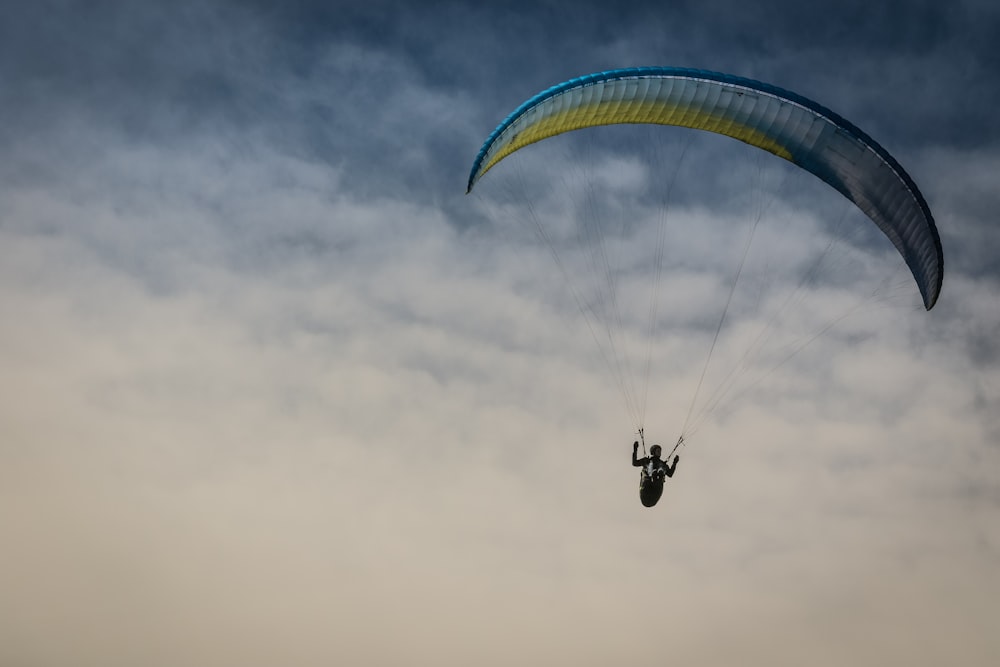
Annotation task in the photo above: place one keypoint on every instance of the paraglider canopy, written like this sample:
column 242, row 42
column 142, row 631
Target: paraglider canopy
column 765, row 116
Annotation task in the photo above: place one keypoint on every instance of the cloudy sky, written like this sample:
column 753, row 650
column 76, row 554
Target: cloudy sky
column 275, row 390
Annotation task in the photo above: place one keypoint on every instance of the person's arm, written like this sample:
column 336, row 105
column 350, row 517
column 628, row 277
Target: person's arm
column 638, row 463
column 671, row 468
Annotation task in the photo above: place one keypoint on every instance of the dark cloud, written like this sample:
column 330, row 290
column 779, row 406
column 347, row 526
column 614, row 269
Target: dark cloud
column 395, row 97
column 156, row 71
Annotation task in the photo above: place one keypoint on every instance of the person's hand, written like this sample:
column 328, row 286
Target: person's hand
column 635, row 445
column 677, row 458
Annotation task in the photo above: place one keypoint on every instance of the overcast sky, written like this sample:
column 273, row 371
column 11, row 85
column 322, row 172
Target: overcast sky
column 275, row 390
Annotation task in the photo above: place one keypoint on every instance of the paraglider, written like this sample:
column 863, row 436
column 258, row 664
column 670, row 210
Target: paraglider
column 654, row 473
column 781, row 122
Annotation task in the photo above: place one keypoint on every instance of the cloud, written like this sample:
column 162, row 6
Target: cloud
column 276, row 390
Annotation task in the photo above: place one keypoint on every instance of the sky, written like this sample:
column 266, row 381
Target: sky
column 275, row 390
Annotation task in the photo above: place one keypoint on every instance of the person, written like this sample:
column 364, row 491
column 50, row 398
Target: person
column 654, row 471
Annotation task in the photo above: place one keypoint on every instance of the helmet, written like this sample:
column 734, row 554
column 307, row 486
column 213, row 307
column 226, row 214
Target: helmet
column 655, row 450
